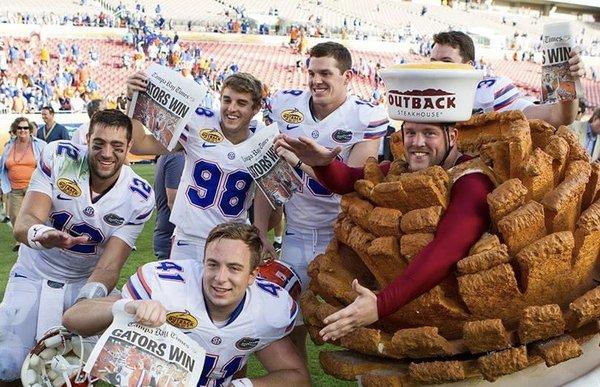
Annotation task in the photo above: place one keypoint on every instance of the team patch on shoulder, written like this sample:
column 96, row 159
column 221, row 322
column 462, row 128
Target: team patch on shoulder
column 182, row 320
column 211, row 135
column 292, row 116
column 113, row 219
column 341, row 135
column 69, row 187
column 246, row 343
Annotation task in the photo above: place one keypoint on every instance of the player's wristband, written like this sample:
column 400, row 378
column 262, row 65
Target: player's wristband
column 119, row 306
column 245, row 382
column 35, row 231
column 92, row 290
column 298, row 164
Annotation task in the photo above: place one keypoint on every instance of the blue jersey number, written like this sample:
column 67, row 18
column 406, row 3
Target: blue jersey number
column 212, row 185
column 295, row 93
column 68, row 149
column 141, row 188
column 204, row 112
column 59, row 222
column 228, row 370
column 313, row 185
column 486, row 83
column 170, row 271
column 268, row 287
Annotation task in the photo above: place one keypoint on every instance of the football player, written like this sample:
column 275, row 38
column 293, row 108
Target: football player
column 76, row 231
column 499, row 93
column 228, row 310
column 332, row 117
column 215, row 186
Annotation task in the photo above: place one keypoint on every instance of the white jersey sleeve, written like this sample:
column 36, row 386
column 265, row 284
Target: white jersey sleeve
column 498, row 94
column 278, row 312
column 129, row 231
column 373, row 118
column 41, row 180
column 140, row 284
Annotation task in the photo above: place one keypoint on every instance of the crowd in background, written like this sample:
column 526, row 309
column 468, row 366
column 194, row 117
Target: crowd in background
column 66, row 84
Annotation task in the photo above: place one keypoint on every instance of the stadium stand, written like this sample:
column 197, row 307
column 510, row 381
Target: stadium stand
column 279, row 66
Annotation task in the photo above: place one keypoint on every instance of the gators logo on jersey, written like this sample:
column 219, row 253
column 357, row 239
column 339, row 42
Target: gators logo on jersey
column 69, row 187
column 292, row 116
column 211, row 135
column 182, row 320
column 246, row 343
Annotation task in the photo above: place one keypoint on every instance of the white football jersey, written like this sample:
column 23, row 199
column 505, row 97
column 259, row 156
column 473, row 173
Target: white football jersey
column 63, row 174
column 266, row 314
column 498, row 94
column 354, row 121
column 215, row 186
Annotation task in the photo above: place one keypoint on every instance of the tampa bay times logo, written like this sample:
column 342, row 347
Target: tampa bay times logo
column 429, row 103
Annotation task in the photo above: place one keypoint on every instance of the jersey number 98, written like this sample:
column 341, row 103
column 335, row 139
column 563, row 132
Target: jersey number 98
column 212, row 185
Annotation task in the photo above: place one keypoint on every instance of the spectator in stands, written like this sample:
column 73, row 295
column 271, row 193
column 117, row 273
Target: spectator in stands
column 62, row 51
column 94, row 58
column 499, row 93
column 588, row 133
column 3, row 61
column 28, row 57
column 44, row 56
column 51, row 131
column 17, row 164
column 19, row 105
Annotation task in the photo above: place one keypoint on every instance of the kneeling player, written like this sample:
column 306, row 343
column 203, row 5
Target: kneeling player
column 247, row 314
column 76, row 232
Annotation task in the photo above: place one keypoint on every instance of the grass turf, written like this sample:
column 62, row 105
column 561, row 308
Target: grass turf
column 144, row 254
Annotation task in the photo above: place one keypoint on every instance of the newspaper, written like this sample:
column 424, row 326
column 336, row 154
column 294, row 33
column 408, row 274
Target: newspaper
column 130, row 354
column 273, row 175
column 557, row 82
column 167, row 105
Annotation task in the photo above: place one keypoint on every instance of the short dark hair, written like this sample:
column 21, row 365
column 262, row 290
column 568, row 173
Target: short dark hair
column 93, row 106
column 335, row 50
column 595, row 115
column 245, row 83
column 112, row 118
column 49, row 108
column 457, row 39
column 240, row 232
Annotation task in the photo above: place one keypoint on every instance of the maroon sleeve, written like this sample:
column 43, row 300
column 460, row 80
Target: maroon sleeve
column 463, row 223
column 339, row 177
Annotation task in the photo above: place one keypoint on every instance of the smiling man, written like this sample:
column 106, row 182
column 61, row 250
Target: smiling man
column 215, row 186
column 332, row 117
column 426, row 143
column 76, row 232
column 224, row 300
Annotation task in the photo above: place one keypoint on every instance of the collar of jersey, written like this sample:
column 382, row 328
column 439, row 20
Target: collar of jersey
column 236, row 312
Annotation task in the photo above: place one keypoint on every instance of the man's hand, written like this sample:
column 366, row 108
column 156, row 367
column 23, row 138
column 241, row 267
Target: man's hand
column 147, row 312
column 136, row 82
column 269, row 252
column 576, row 66
column 362, row 312
column 307, row 150
column 60, row 239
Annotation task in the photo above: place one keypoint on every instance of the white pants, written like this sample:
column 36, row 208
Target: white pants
column 187, row 249
column 299, row 248
column 19, row 312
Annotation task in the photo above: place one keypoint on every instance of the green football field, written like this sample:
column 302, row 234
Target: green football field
column 144, row 254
